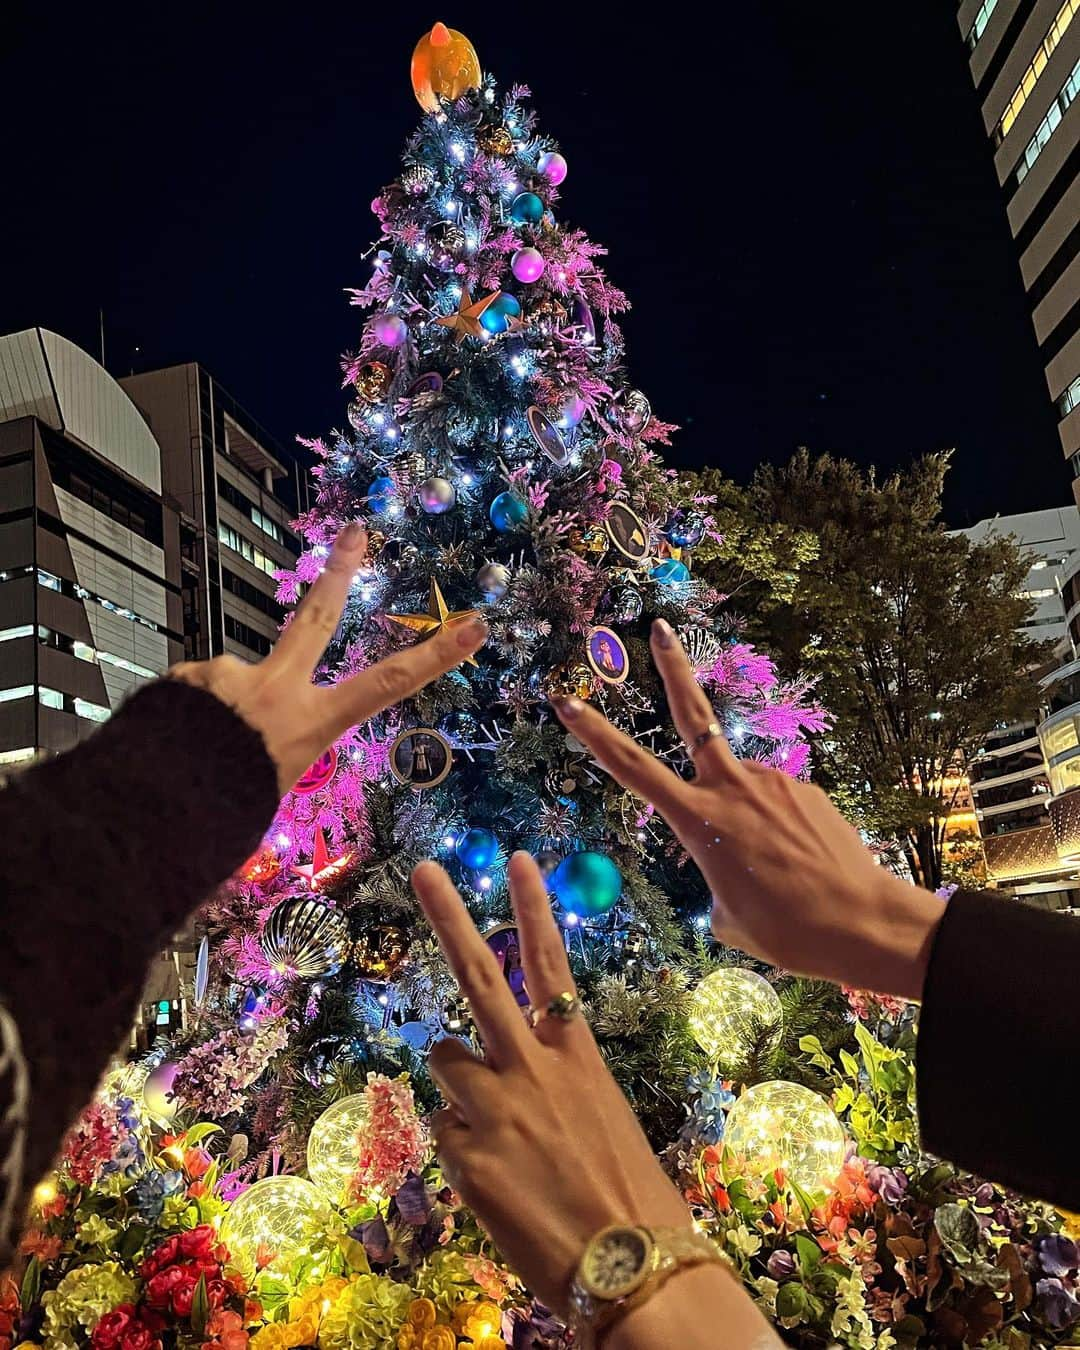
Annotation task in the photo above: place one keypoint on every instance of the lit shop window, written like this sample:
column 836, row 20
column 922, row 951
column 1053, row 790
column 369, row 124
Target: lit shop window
column 1030, row 77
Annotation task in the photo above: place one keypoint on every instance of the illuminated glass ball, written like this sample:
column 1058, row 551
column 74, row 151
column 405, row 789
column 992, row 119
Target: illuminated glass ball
column 725, row 1009
column 333, row 1151
column 284, row 1215
column 496, row 318
column 553, row 166
column 508, row 511
column 158, row 1084
column 670, row 572
column 527, row 265
column 526, row 209
column 390, row 329
column 478, row 848
column 787, row 1125
column 381, row 494
column 586, row 883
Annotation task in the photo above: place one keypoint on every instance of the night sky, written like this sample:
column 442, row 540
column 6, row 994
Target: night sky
column 800, row 203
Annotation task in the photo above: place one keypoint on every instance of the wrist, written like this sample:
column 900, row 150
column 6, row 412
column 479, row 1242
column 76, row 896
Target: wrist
column 900, row 926
column 687, row 1311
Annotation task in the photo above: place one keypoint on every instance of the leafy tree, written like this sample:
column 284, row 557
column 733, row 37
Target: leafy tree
column 912, row 633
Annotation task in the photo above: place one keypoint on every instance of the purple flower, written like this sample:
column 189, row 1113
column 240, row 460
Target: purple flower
column 984, row 1194
column 781, row 1264
column 1057, row 1255
column 889, row 1182
column 1057, row 1307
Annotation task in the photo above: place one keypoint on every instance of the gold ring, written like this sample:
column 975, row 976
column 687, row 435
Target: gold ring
column 564, row 1007
column 712, row 732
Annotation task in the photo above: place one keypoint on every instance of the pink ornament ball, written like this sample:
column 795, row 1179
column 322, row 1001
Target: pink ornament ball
column 527, row 264
column 553, row 166
column 390, row 329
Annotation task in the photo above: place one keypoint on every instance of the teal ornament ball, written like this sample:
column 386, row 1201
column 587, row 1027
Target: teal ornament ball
column 508, row 511
column 670, row 572
column 496, row 318
column 477, row 848
column 586, row 884
column 527, row 209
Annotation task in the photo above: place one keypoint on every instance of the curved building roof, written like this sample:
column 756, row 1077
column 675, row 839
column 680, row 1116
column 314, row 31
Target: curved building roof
column 44, row 375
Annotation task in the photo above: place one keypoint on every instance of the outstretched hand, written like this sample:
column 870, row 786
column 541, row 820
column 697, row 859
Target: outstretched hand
column 299, row 720
column 791, row 881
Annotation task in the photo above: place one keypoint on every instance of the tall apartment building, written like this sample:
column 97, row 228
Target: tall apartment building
column 237, row 491
column 1025, row 62
column 90, row 565
column 1009, row 781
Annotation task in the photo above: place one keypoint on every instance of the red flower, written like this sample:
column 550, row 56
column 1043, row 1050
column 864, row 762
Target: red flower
column 125, row 1329
column 160, row 1257
column 720, row 1199
column 197, row 1162
column 162, row 1288
column 54, row 1208
column 35, row 1243
column 201, row 1241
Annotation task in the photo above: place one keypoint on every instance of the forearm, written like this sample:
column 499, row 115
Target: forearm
column 702, row 1308
column 891, row 939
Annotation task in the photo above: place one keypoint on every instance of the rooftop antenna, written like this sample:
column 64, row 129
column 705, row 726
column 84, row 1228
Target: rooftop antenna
column 101, row 331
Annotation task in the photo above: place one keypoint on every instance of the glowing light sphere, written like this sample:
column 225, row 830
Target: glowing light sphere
column 478, row 848
column 787, row 1125
column 553, row 166
column 670, row 572
column 444, row 65
column 586, row 883
column 496, row 318
column 158, row 1084
column 382, row 494
column 390, row 329
column 333, row 1151
column 284, row 1215
column 726, row 1008
column 526, row 209
column 508, row 511
column 527, row 265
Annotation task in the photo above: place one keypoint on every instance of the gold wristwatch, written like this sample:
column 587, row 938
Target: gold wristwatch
column 623, row 1266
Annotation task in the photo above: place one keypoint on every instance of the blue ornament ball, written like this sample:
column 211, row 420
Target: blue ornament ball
column 586, row 884
column 381, row 495
column 670, row 572
column 527, row 209
column 496, row 318
column 508, row 511
column 477, row 848
column 685, row 529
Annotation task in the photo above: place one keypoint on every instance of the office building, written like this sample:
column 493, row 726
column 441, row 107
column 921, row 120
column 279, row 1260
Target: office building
column 90, row 593
column 1025, row 62
column 238, row 492
column 1009, row 781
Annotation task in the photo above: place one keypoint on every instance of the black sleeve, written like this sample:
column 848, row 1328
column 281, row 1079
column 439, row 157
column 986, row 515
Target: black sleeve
column 106, row 851
column 997, row 1035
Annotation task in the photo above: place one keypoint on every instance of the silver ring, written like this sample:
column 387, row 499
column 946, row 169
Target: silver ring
column 564, row 1007
column 712, row 732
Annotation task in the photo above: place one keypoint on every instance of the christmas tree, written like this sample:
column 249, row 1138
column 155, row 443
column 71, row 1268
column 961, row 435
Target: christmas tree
column 267, row 1175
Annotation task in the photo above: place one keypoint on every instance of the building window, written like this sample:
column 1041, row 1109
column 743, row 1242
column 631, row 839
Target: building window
column 251, row 595
column 93, row 712
column 50, row 698
column 233, row 539
column 247, row 637
column 1030, row 77
column 1040, row 594
column 268, row 526
column 23, row 630
column 20, row 691
column 1049, row 124
column 1069, row 399
column 77, row 592
column 17, row 756
column 258, row 518
column 982, row 18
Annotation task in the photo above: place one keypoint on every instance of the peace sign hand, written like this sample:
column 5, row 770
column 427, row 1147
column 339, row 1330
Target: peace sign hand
column 791, row 881
column 299, row 720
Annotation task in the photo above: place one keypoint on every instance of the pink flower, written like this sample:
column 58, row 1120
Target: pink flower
column 394, row 1142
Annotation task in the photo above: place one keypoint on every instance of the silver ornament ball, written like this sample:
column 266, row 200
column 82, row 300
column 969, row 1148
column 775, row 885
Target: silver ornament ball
column 493, row 579
column 436, row 495
column 636, row 411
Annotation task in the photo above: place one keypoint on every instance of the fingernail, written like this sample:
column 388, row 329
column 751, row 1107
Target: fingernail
column 569, row 708
column 471, row 633
column 664, row 634
column 351, row 535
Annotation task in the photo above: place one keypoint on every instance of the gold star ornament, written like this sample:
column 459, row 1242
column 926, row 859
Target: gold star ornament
column 437, row 618
column 466, row 322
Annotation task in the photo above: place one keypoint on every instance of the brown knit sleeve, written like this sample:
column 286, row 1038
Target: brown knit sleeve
column 106, row 851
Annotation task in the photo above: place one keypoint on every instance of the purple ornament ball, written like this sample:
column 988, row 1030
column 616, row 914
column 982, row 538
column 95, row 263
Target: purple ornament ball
column 527, row 264
column 390, row 329
column 553, row 166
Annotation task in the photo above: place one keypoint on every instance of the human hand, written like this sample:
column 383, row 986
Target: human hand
column 791, row 881
column 299, row 720
column 538, row 1138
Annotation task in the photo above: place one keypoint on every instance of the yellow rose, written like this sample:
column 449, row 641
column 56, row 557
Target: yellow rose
column 463, row 1312
column 1072, row 1222
column 484, row 1320
column 422, row 1313
column 488, row 1343
column 269, row 1337
column 406, row 1339
column 439, row 1338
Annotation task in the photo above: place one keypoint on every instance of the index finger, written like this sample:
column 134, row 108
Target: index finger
column 497, row 1016
column 317, row 616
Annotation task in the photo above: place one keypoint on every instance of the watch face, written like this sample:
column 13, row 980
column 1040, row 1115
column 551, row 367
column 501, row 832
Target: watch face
column 616, row 1262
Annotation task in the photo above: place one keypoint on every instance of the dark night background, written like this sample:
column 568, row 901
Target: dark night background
column 799, row 200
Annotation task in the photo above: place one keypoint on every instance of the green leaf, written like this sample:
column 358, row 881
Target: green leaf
column 199, row 1132
column 805, row 1200
column 200, row 1309
column 809, row 1253
column 791, row 1300
column 850, row 1063
column 31, row 1285
column 132, row 1240
column 959, row 1230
